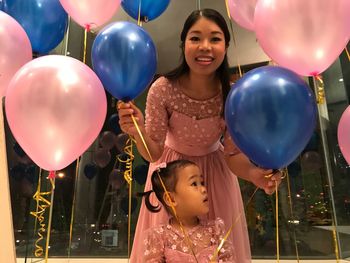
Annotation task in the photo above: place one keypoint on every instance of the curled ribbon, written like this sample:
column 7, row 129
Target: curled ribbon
column 42, row 204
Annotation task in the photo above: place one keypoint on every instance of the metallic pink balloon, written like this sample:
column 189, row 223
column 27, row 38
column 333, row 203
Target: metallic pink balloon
column 15, row 50
column 242, row 12
column 90, row 13
column 344, row 134
column 304, row 36
column 55, row 106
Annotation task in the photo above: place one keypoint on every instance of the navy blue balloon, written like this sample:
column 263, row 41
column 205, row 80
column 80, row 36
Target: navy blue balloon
column 113, row 122
column 90, row 170
column 271, row 114
column 124, row 58
column 124, row 204
column 45, row 21
column 18, row 150
column 140, row 173
column 150, row 9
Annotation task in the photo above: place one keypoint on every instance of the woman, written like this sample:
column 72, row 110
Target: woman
column 184, row 120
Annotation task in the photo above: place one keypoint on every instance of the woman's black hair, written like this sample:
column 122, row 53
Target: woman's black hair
column 169, row 177
column 223, row 70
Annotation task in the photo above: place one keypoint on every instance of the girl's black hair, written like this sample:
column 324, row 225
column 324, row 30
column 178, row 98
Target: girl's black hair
column 169, row 177
column 223, row 70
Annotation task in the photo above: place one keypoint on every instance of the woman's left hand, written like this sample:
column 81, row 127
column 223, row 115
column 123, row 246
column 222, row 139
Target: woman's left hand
column 265, row 179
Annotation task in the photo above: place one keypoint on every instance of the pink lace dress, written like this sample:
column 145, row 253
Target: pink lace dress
column 167, row 244
column 191, row 129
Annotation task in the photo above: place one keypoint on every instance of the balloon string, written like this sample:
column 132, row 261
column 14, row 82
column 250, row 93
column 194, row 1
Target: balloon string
column 128, row 178
column 347, row 53
column 234, row 222
column 277, row 228
column 87, row 29
column 233, row 37
column 227, row 9
column 139, row 22
column 52, row 181
column 199, row 4
column 292, row 214
column 73, row 207
column 42, row 203
column 188, row 241
column 320, row 89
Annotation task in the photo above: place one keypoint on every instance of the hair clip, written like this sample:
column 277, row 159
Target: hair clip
column 161, row 165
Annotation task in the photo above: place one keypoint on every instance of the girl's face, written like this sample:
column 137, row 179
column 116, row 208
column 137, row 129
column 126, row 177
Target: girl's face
column 190, row 193
column 205, row 47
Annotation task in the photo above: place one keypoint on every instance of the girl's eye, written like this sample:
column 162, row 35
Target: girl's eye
column 202, row 183
column 194, row 184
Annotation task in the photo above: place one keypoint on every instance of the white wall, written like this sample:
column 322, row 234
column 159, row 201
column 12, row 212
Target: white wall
column 165, row 32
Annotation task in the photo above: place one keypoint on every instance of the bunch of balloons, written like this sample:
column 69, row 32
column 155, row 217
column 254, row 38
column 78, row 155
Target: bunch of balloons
column 311, row 34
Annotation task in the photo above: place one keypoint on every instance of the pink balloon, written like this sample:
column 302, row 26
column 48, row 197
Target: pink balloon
column 304, row 36
column 90, row 13
column 344, row 134
column 15, row 50
column 242, row 12
column 55, row 106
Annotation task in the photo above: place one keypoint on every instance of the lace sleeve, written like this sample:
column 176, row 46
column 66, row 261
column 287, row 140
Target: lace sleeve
column 230, row 147
column 156, row 113
column 227, row 252
column 153, row 246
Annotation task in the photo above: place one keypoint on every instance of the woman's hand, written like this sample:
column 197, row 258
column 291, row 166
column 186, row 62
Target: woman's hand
column 265, row 178
column 125, row 110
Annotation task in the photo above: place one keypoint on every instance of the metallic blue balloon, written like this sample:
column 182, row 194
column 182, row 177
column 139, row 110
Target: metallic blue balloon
column 124, row 58
column 44, row 21
column 150, row 9
column 271, row 115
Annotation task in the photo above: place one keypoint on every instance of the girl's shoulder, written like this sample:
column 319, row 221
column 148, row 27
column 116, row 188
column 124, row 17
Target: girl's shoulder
column 217, row 225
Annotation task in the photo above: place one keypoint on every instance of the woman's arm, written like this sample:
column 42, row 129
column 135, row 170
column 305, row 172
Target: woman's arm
column 241, row 166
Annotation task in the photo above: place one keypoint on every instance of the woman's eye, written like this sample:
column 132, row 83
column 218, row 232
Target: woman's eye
column 216, row 39
column 194, row 184
column 202, row 183
column 194, row 38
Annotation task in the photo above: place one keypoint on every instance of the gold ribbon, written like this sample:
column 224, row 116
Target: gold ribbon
column 233, row 37
column 87, row 29
column 73, row 207
column 139, row 22
column 347, row 53
column 42, row 203
column 128, row 178
column 234, row 222
column 320, row 96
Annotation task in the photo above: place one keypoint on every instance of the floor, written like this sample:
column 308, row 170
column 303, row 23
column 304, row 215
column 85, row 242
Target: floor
column 126, row 261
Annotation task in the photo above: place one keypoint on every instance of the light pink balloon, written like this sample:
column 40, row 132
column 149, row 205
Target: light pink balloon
column 55, row 106
column 15, row 49
column 344, row 134
column 242, row 12
column 304, row 36
column 90, row 13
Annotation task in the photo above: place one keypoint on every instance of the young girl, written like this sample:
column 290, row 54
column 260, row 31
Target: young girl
column 186, row 200
column 184, row 120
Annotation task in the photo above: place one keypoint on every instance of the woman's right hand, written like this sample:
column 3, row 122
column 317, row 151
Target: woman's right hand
column 125, row 110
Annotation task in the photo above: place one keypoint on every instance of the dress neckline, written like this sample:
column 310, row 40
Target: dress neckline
column 178, row 86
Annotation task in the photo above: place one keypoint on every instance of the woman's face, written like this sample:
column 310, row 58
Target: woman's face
column 205, row 47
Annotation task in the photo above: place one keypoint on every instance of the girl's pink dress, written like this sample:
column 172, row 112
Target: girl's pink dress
column 166, row 243
column 192, row 129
